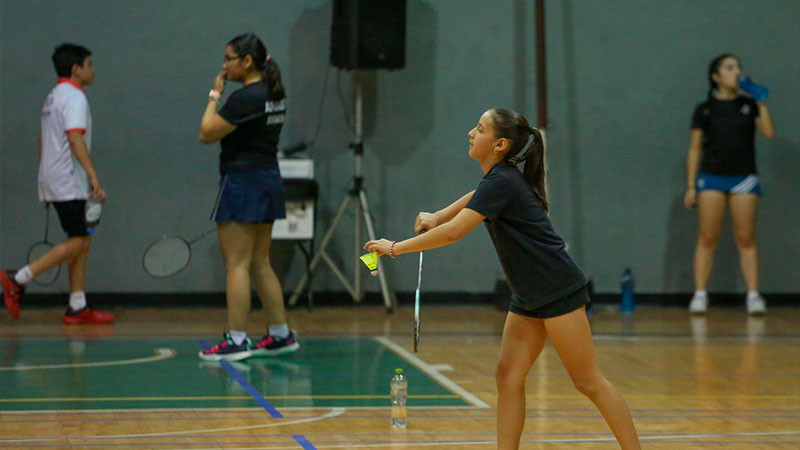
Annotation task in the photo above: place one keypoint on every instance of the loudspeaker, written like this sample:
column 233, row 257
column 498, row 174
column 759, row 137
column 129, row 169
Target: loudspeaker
column 368, row 34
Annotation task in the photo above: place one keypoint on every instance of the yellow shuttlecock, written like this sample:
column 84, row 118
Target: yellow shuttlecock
column 371, row 261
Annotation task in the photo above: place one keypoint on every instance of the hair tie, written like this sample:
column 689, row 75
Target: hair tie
column 269, row 58
column 524, row 151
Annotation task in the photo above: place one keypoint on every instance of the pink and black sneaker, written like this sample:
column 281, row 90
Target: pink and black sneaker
column 275, row 346
column 227, row 350
column 12, row 292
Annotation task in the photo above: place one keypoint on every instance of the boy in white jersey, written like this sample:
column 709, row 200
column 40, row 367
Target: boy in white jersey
column 66, row 179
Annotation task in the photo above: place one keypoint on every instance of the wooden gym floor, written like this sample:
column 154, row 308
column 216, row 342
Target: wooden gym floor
column 721, row 381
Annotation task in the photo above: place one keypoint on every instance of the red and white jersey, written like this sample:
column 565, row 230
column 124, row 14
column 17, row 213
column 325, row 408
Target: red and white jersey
column 61, row 176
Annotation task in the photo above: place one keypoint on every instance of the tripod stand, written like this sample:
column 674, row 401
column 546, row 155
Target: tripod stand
column 359, row 197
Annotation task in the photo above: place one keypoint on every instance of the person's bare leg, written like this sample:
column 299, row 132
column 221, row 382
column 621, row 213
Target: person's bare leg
column 523, row 340
column 710, row 210
column 236, row 242
column 744, row 208
column 267, row 284
column 60, row 253
column 572, row 338
column 77, row 267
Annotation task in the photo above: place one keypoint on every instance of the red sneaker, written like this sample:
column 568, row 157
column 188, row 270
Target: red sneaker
column 12, row 292
column 87, row 316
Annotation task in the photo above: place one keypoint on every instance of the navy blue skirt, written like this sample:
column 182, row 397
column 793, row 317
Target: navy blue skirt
column 251, row 196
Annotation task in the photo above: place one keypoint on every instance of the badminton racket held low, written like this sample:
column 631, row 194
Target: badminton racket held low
column 416, row 302
column 38, row 249
column 169, row 255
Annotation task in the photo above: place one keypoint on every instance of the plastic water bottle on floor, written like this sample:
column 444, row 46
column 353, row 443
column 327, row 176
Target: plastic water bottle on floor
column 628, row 302
column 399, row 391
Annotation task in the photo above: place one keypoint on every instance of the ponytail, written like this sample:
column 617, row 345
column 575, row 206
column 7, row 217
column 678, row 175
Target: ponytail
column 271, row 76
column 526, row 144
column 535, row 170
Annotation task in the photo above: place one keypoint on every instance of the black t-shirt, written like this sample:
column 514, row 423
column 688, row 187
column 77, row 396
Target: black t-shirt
column 729, row 128
column 533, row 256
column 254, row 142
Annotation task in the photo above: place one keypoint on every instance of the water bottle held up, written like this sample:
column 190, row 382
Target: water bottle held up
column 399, row 393
column 627, row 302
column 758, row 92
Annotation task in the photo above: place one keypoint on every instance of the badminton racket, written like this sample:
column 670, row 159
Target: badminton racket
column 38, row 249
column 416, row 304
column 169, row 255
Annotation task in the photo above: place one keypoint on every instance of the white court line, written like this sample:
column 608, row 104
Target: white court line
column 432, row 372
column 161, row 354
column 334, row 413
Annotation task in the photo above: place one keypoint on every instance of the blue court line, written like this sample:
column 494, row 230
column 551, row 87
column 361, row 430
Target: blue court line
column 303, row 442
column 246, row 385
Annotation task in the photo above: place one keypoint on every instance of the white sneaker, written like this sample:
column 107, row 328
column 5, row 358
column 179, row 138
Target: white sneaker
column 699, row 304
column 756, row 305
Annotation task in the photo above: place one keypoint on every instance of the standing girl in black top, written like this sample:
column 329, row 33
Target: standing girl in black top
column 251, row 194
column 723, row 131
column 549, row 289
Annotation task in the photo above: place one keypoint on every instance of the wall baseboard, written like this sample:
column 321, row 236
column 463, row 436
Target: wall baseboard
column 209, row 299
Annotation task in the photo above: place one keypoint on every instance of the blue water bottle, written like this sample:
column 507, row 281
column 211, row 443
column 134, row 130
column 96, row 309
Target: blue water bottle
column 628, row 302
column 758, row 92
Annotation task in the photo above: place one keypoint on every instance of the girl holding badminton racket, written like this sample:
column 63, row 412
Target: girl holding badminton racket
column 549, row 289
column 251, row 194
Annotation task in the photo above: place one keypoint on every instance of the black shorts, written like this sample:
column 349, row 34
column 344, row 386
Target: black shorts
column 556, row 308
column 72, row 215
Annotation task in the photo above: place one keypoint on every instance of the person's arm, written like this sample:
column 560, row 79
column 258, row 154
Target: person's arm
column 764, row 121
column 212, row 126
column 447, row 233
column 426, row 221
column 692, row 163
column 80, row 151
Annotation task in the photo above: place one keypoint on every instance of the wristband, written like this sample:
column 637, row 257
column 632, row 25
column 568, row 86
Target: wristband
column 214, row 95
column 391, row 250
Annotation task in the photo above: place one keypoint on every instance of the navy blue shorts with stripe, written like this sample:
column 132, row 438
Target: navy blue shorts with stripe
column 251, row 196
column 737, row 184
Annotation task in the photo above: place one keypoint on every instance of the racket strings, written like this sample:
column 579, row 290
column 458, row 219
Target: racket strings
column 166, row 257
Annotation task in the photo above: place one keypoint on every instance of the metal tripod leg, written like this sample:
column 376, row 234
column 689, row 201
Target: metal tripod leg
column 361, row 208
column 389, row 299
column 321, row 254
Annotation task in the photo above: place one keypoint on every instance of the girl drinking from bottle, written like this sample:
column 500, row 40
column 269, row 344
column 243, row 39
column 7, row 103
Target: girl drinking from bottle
column 549, row 289
column 721, row 170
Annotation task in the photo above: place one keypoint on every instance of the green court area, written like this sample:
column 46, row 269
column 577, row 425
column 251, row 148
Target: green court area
column 117, row 373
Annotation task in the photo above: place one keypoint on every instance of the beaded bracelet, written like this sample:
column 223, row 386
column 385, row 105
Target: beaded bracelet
column 391, row 250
